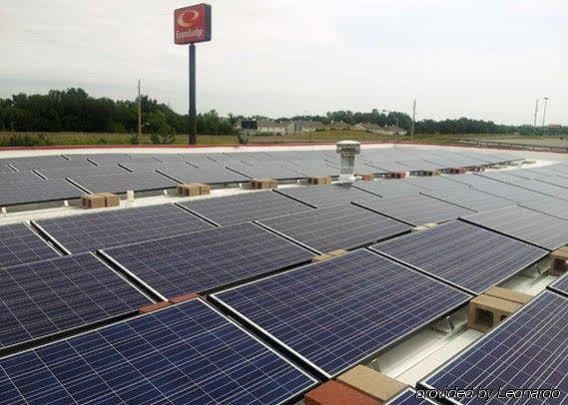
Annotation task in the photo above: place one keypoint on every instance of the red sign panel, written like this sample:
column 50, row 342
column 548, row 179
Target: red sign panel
column 192, row 24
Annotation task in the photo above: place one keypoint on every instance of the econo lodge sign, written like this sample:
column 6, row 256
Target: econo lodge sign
column 192, row 24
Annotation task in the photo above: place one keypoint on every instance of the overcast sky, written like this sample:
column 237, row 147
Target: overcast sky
column 486, row 59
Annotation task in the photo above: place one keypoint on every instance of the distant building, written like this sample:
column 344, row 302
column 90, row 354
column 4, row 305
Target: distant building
column 339, row 125
column 308, row 126
column 272, row 127
column 377, row 129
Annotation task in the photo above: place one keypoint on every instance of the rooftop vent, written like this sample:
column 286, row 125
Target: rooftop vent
column 347, row 151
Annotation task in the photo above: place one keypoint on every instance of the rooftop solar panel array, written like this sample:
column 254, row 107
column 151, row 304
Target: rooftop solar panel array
column 549, row 205
column 264, row 170
column 188, row 353
column 205, row 173
column 325, row 196
column 471, row 199
column 416, row 209
column 19, row 244
column 83, row 233
column 341, row 227
column 206, row 260
column 527, row 351
column 525, row 224
column 336, row 313
column 245, row 207
column 43, row 298
column 463, row 255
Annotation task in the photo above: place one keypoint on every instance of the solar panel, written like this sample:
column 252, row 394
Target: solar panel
column 39, row 162
column 533, row 185
column 19, row 244
column 525, row 224
column 408, row 397
column 549, row 205
column 247, row 207
column 120, row 183
column 463, row 255
column 561, row 285
column 325, row 196
column 188, row 353
column 415, row 210
column 63, row 172
column 89, row 232
column 206, row 260
column 33, row 191
column 435, row 183
column 44, row 298
column 471, row 199
column 388, row 188
column 526, row 351
column 341, row 227
column 210, row 173
column 337, row 313
column 271, row 170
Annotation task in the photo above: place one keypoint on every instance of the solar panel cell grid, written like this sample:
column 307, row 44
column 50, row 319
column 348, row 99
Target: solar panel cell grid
column 337, row 313
column 342, row 227
column 464, row 255
column 183, row 354
column 205, row 260
column 30, row 190
column 19, row 244
column 120, row 183
column 245, row 207
column 527, row 351
column 89, row 232
column 471, row 199
column 43, row 298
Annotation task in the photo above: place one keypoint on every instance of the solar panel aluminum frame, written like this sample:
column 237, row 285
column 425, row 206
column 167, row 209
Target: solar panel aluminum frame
column 552, row 287
column 295, row 354
column 209, row 306
column 442, row 280
column 51, row 238
column 235, row 283
column 289, row 238
column 422, row 384
column 32, row 344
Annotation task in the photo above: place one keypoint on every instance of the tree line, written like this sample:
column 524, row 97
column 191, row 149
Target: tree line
column 73, row 110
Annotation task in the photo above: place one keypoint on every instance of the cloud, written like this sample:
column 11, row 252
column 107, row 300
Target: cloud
column 481, row 59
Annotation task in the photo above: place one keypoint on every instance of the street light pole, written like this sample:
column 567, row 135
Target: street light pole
column 544, row 113
column 536, row 112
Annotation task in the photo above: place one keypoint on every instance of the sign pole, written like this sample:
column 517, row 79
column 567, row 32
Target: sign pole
column 192, row 108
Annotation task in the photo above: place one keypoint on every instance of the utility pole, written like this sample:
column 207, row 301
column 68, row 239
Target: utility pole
column 139, row 113
column 413, row 119
column 536, row 112
column 544, row 113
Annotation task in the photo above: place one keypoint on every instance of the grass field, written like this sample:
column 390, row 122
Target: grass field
column 8, row 139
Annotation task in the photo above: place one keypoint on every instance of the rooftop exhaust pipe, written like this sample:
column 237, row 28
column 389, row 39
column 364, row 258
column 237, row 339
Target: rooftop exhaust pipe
column 347, row 151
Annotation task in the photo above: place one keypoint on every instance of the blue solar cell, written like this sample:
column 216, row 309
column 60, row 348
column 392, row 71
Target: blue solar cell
column 89, row 232
column 19, row 244
column 527, row 351
column 342, row 227
column 30, row 190
column 120, row 183
column 339, row 312
column 205, row 260
column 51, row 296
column 464, row 255
column 188, row 353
